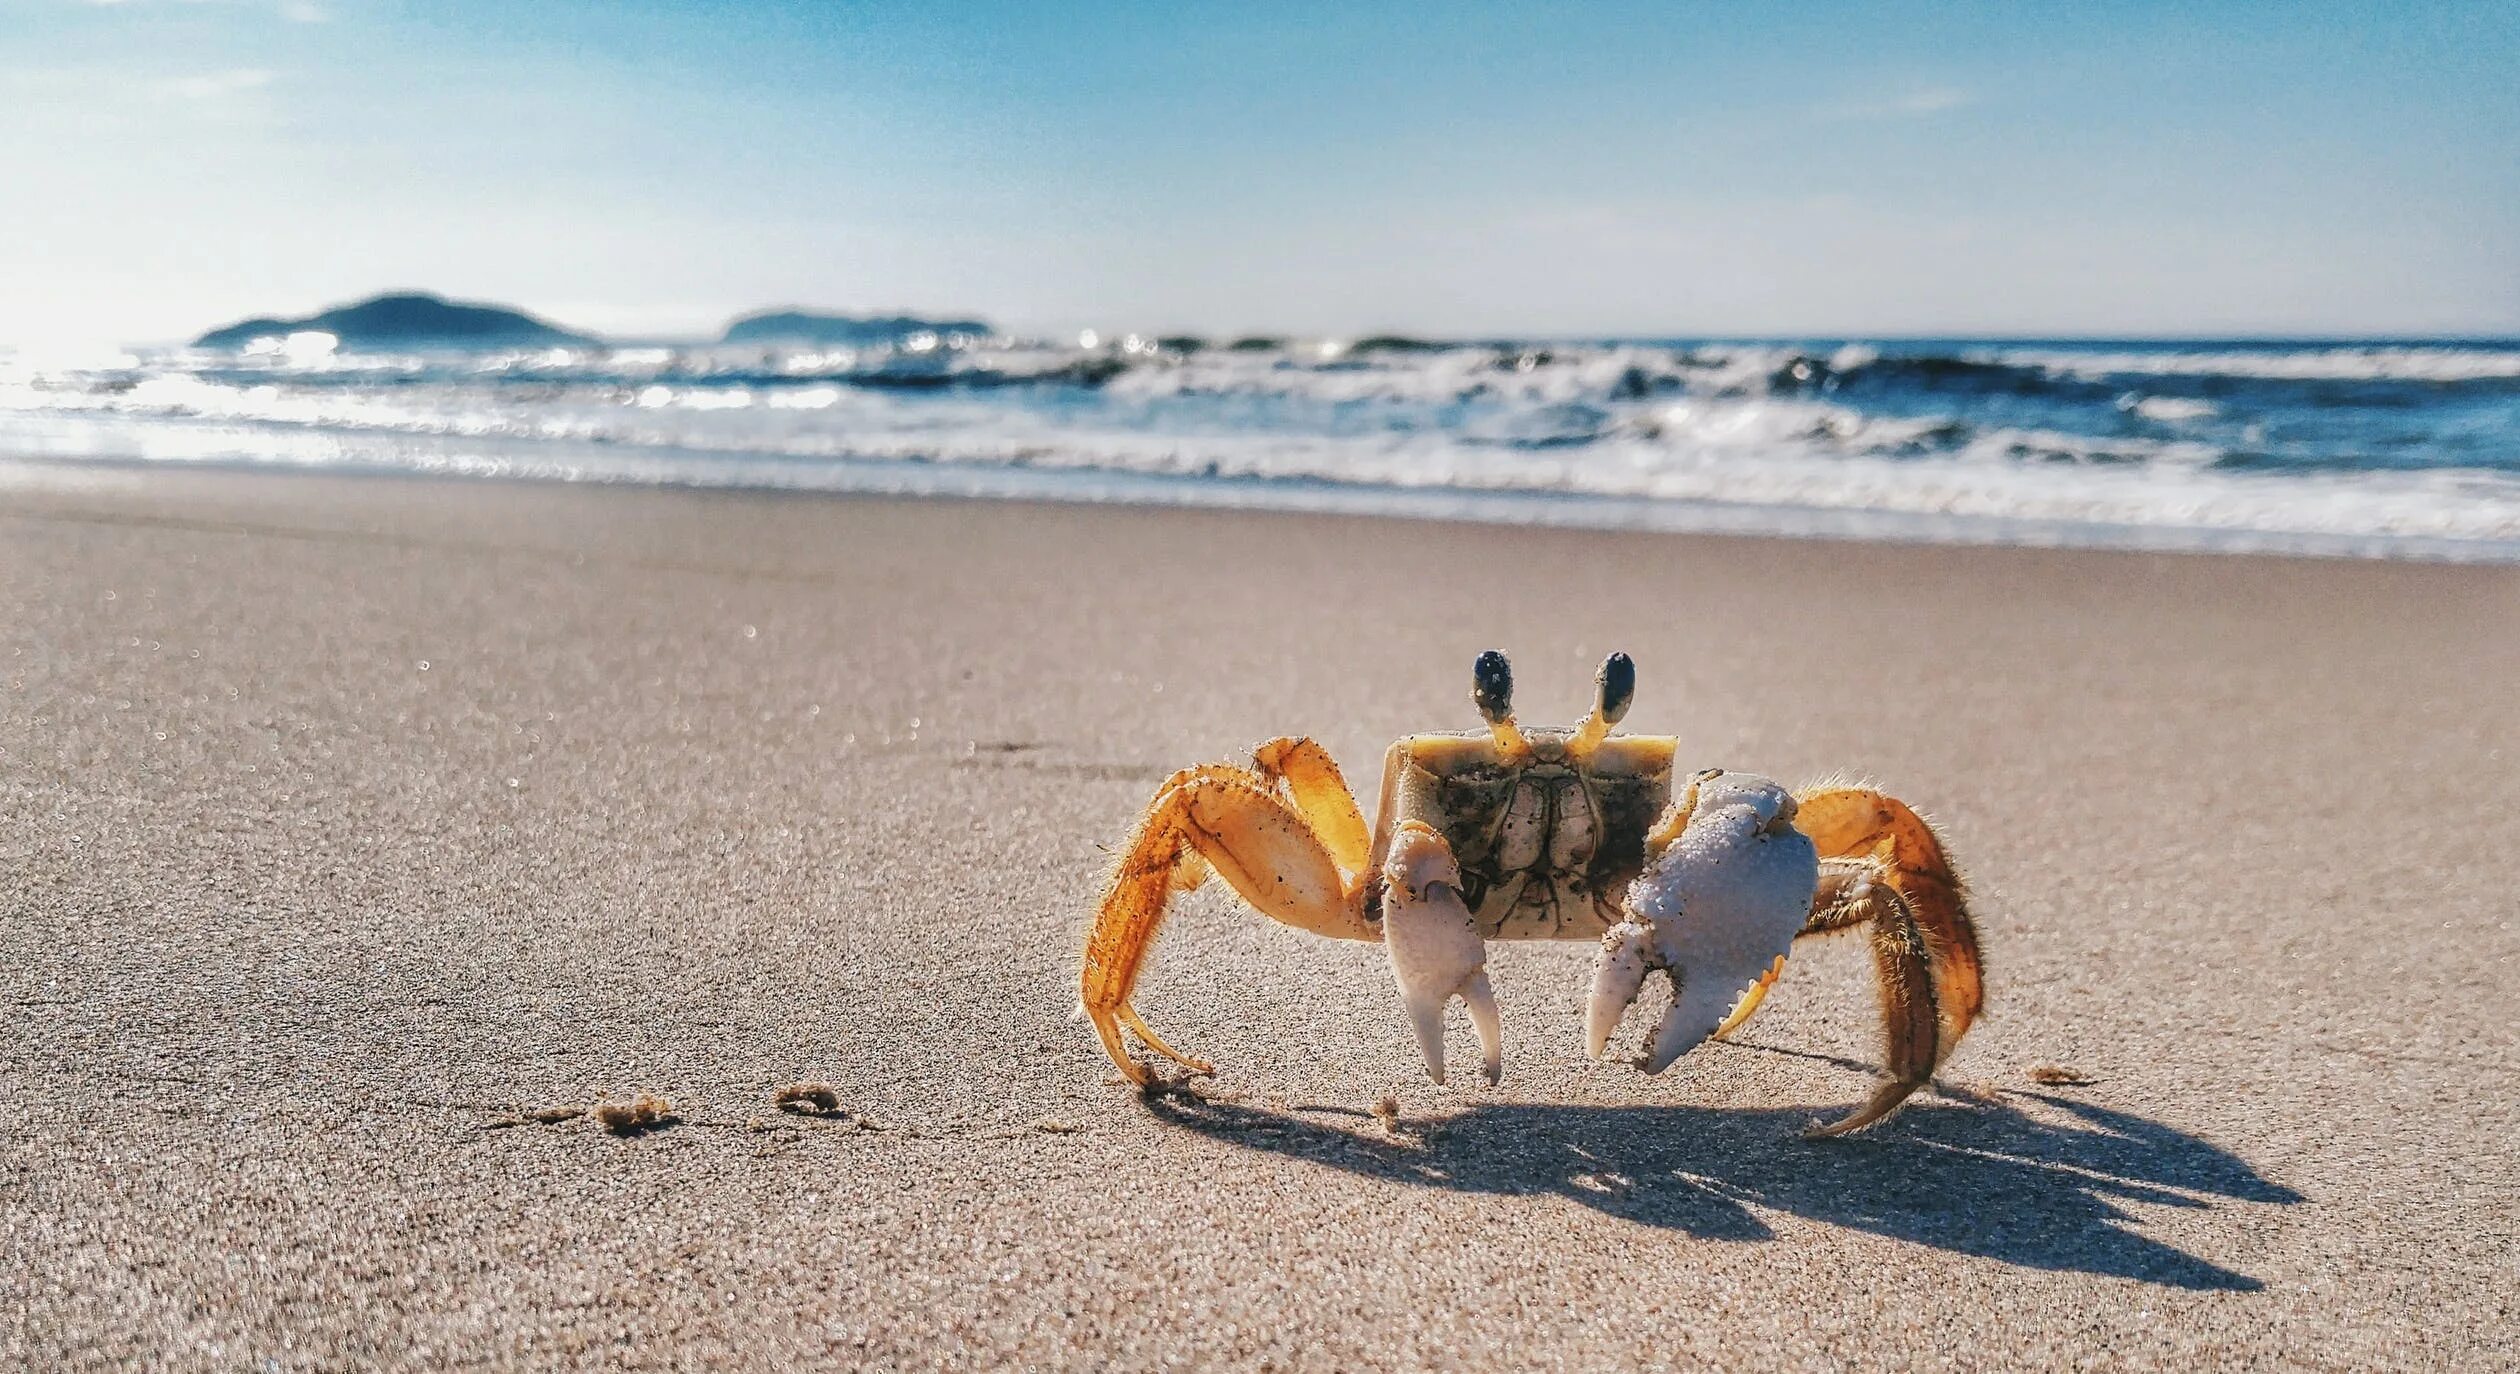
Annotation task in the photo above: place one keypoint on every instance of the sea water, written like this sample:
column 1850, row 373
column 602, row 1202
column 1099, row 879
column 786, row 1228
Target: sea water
column 2408, row 448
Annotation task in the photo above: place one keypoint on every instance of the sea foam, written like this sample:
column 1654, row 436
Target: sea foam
column 2410, row 449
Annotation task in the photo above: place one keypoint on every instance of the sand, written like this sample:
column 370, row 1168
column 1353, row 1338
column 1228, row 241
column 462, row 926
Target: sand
column 351, row 827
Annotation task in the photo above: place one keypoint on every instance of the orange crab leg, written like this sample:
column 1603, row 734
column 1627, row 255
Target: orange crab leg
column 1320, row 792
column 1230, row 821
column 1883, row 867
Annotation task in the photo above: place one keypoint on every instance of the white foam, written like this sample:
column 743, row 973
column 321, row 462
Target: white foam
column 1588, row 434
column 2408, row 364
column 2167, row 409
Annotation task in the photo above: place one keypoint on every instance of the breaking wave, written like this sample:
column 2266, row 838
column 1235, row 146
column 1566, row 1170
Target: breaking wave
column 2404, row 447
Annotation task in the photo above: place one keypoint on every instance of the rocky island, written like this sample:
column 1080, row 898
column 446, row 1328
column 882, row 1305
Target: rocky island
column 408, row 319
column 847, row 331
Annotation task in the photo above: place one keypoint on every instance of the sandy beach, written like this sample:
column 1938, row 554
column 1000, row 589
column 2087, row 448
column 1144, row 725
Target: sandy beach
column 346, row 824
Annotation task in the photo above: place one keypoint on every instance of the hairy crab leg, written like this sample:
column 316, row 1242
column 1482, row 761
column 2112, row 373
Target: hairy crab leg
column 1232, row 822
column 1137, row 1025
column 1894, row 877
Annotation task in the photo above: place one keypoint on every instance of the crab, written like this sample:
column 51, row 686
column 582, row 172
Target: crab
column 1528, row 833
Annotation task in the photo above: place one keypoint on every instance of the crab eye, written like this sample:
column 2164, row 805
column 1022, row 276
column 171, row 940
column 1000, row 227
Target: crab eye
column 1618, row 686
column 1709, row 774
column 1492, row 687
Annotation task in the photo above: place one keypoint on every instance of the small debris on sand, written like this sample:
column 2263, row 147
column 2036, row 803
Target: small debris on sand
column 1387, row 1111
column 1160, row 1085
column 645, row 1112
column 807, row 1099
column 1051, row 1125
column 2059, row 1076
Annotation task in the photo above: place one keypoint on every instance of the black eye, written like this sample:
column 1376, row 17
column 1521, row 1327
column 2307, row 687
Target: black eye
column 1618, row 686
column 1492, row 686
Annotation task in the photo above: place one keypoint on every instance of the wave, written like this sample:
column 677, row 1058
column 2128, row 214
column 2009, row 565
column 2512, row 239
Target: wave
column 1373, row 369
column 2364, row 442
column 2407, row 363
column 1984, row 491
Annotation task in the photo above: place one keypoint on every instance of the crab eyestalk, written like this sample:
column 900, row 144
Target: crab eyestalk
column 1492, row 691
column 1616, row 690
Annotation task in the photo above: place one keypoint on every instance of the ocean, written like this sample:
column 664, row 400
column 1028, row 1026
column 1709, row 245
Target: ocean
column 2407, row 448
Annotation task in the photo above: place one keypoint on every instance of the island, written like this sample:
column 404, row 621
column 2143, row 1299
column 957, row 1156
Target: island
column 848, row 331
column 405, row 319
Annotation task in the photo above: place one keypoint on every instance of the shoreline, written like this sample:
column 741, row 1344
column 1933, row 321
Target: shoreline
column 548, row 463
column 349, row 822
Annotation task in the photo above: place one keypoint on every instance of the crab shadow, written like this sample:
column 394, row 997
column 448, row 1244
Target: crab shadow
column 1979, row 1178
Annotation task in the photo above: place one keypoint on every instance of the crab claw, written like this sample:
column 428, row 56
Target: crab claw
column 1715, row 908
column 1626, row 953
column 1436, row 954
column 1629, row 952
column 1693, row 1016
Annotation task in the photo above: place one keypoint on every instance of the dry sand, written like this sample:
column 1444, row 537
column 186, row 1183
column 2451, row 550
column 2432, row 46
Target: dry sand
column 342, row 819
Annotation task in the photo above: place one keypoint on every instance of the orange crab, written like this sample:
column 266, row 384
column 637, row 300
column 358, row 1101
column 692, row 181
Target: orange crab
column 1556, row 834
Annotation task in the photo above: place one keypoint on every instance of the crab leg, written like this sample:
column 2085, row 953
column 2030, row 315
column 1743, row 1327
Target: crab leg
column 1233, row 822
column 1893, row 876
column 1314, row 784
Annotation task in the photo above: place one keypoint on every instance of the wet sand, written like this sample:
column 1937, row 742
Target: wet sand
column 345, row 821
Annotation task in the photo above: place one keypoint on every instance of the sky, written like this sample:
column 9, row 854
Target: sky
column 1464, row 169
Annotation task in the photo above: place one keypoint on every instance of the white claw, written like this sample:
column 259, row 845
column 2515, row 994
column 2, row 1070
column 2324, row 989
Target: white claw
column 1717, row 907
column 1426, row 1017
column 1616, row 980
column 1436, row 954
column 1491, row 1028
column 1693, row 1016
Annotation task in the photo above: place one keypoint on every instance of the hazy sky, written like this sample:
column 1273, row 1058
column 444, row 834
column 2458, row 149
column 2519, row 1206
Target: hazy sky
column 1538, row 168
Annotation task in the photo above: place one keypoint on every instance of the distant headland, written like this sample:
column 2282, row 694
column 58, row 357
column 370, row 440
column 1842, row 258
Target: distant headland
column 421, row 320
column 851, row 331
column 405, row 319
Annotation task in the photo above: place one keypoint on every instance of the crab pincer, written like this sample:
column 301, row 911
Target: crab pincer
column 1436, row 952
column 1726, row 887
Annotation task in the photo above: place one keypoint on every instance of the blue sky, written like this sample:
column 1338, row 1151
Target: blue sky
column 1644, row 169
